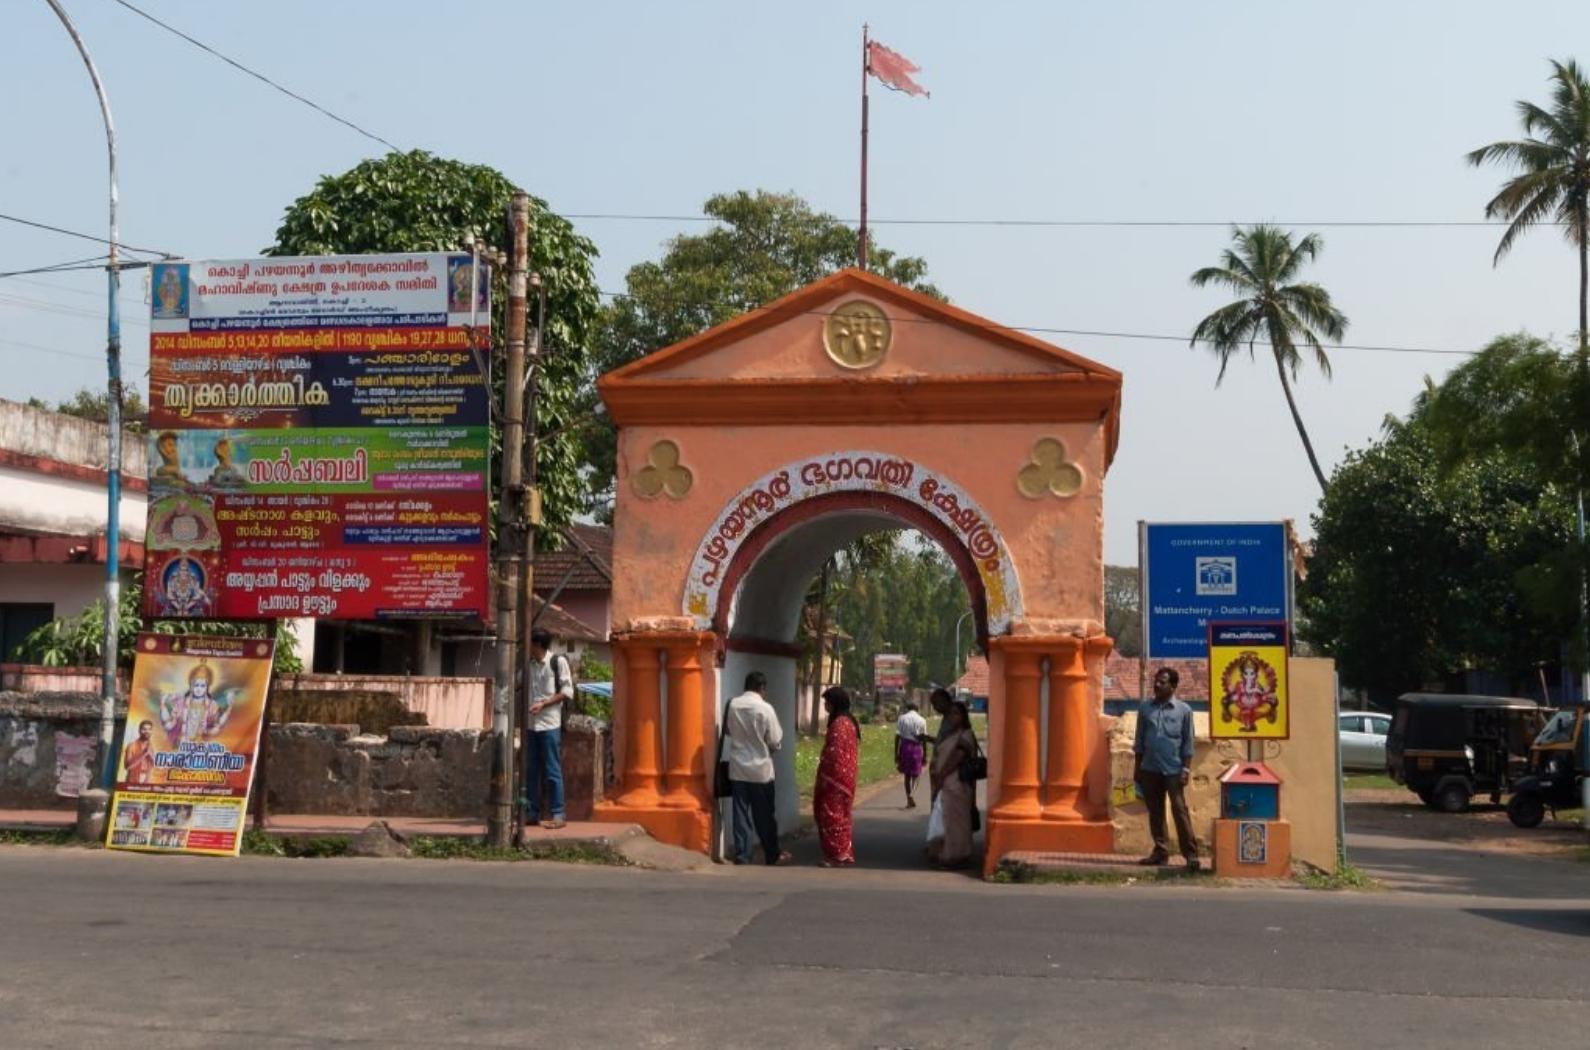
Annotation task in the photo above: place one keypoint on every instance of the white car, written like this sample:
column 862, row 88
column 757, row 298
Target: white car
column 1363, row 740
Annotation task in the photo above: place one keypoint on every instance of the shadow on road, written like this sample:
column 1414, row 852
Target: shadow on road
column 1574, row 923
column 888, row 836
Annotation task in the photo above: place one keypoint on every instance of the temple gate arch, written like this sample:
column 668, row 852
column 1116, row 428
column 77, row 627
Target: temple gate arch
column 749, row 453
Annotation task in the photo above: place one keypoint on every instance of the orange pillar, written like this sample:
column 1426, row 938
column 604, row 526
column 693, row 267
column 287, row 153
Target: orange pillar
column 686, row 786
column 642, row 715
column 1018, row 782
column 1073, row 725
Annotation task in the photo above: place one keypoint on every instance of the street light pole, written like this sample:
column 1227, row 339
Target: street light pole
column 107, row 686
column 959, row 653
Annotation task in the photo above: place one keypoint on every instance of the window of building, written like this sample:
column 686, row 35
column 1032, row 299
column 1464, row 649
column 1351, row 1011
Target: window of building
column 17, row 621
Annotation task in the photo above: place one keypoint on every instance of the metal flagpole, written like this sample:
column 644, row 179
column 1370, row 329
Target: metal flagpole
column 107, row 687
column 861, row 242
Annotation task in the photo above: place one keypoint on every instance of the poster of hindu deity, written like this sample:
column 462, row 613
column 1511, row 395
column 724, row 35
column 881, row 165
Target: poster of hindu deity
column 194, row 717
column 1248, row 681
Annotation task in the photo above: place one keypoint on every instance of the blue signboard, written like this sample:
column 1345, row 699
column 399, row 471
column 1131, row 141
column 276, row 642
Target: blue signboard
column 1194, row 573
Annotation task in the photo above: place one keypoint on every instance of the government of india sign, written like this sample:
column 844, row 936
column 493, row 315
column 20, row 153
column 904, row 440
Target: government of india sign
column 842, row 472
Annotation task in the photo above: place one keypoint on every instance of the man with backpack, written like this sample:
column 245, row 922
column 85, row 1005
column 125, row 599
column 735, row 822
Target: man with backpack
column 551, row 684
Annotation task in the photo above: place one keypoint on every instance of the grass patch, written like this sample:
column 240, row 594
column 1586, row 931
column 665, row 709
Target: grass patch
column 449, row 847
column 1026, row 875
column 1348, row 876
column 52, row 837
column 1369, row 782
column 263, row 844
column 876, row 761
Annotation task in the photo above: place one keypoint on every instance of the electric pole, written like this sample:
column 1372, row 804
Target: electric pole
column 512, row 523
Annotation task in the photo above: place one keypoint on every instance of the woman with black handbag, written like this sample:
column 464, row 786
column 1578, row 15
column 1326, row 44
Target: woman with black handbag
column 958, row 764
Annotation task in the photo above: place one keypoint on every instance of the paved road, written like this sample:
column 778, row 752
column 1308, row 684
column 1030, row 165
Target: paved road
column 134, row 951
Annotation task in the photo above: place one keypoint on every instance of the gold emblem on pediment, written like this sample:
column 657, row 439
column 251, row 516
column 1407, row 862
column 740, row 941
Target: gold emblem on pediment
column 857, row 334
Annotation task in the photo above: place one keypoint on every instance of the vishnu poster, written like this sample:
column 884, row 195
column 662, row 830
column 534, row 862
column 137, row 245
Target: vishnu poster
column 1248, row 681
column 194, row 716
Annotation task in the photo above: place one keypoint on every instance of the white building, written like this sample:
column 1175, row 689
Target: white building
column 52, row 516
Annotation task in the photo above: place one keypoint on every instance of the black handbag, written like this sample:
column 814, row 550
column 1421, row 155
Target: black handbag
column 722, row 787
column 975, row 767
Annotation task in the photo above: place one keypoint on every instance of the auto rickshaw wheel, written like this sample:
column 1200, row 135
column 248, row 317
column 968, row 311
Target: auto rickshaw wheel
column 1452, row 796
column 1526, row 810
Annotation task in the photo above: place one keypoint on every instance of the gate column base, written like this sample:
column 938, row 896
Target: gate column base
column 1005, row 835
column 686, row 828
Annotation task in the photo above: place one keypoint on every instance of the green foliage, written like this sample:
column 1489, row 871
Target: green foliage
column 263, row 844
column 896, row 596
column 417, row 202
column 1347, row 876
column 875, row 761
column 40, row 837
column 1123, row 609
column 79, row 641
column 1261, row 270
column 1429, row 560
column 1553, row 161
column 95, row 406
column 451, row 847
column 766, row 246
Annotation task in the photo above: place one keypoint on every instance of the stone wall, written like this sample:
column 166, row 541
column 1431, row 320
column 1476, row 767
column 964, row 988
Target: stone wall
column 48, row 745
column 414, row 771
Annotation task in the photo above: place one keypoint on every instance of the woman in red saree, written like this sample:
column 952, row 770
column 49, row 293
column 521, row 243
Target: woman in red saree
column 835, row 792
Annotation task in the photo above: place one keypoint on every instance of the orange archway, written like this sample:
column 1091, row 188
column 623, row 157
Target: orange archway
column 750, row 452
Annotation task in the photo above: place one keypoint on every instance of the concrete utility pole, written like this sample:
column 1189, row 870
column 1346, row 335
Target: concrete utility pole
column 112, row 622
column 511, row 519
column 532, row 519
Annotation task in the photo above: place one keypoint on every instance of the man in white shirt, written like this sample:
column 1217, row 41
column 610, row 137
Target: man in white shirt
column 750, row 736
column 550, row 685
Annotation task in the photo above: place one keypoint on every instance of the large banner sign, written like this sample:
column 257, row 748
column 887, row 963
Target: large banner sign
column 1248, row 681
column 194, row 715
column 1197, row 573
column 318, row 438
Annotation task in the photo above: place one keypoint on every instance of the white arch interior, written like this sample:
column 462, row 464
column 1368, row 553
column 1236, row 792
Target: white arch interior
column 766, row 608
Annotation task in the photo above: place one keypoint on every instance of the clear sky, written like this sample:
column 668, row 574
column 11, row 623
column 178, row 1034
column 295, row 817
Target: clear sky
column 1298, row 112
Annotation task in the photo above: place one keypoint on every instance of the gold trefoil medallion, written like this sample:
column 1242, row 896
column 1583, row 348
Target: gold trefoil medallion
column 857, row 334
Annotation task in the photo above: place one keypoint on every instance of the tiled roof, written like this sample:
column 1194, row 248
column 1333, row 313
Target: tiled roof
column 564, row 626
column 975, row 680
column 1122, row 678
column 584, row 573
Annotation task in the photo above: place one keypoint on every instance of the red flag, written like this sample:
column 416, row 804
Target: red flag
column 894, row 69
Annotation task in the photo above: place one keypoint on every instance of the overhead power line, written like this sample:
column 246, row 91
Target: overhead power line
column 1103, row 334
column 63, row 231
column 261, row 77
column 1223, row 224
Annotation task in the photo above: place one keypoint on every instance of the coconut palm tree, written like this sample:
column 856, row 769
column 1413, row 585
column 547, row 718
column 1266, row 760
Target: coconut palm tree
column 1553, row 184
column 1272, row 309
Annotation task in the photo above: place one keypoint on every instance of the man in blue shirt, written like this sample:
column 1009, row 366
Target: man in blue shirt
column 1164, row 750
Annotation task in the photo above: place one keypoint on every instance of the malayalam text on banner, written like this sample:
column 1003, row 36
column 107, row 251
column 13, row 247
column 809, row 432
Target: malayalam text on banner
column 318, row 437
column 194, row 716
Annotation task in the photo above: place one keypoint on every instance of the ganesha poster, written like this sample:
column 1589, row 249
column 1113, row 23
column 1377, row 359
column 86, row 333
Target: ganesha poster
column 1248, row 681
column 194, row 715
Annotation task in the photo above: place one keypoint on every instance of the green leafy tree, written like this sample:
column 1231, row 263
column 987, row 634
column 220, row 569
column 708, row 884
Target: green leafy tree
column 1431, row 558
column 94, row 405
column 901, row 597
column 1553, row 180
column 1261, row 269
column 1123, row 609
column 417, row 202
column 765, row 246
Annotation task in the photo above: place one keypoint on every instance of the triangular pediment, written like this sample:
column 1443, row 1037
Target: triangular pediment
column 854, row 346
column 830, row 330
